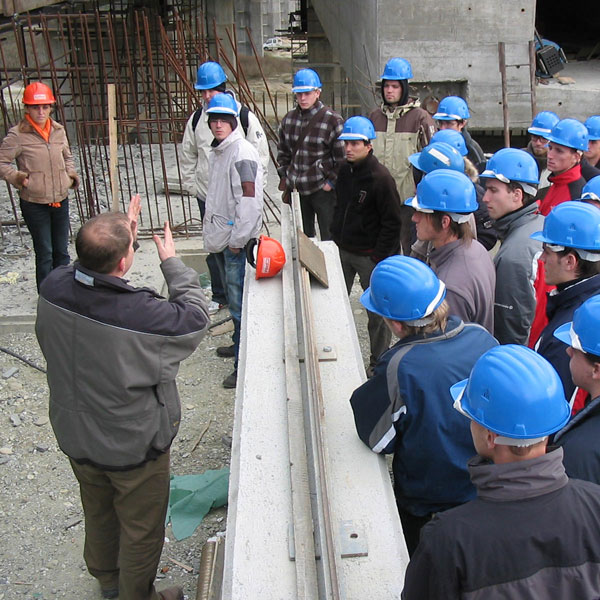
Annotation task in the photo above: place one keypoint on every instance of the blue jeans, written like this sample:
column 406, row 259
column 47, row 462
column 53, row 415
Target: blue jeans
column 49, row 229
column 233, row 268
column 216, row 282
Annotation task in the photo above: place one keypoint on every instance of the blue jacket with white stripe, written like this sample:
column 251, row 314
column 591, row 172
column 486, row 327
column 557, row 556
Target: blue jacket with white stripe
column 406, row 409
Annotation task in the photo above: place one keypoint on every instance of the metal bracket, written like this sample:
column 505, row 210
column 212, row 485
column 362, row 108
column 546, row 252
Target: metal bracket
column 326, row 352
column 353, row 541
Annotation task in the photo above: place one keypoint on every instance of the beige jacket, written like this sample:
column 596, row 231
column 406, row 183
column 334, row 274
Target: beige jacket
column 49, row 165
column 401, row 131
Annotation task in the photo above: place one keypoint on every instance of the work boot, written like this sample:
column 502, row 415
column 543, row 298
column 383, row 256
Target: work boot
column 172, row 593
column 226, row 351
column 110, row 592
column 230, row 381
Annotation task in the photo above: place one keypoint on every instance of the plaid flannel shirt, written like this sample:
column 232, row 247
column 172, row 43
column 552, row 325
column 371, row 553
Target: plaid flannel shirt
column 319, row 157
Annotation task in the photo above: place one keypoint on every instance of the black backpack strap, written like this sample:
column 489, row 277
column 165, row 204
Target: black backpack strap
column 196, row 118
column 244, row 119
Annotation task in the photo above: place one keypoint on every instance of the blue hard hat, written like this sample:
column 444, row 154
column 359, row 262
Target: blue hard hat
column 403, row 289
column 591, row 190
column 514, row 392
column 512, row 165
column 397, row 69
column 452, row 137
column 445, row 191
column 358, row 128
column 573, row 225
column 543, row 123
column 224, row 104
column 592, row 124
column 570, row 133
column 210, row 75
column 306, row 80
column 452, row 108
column 438, row 155
column 583, row 333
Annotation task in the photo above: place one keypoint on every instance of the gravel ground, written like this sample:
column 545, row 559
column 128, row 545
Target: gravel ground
column 40, row 513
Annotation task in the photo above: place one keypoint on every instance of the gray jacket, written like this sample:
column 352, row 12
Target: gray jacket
column 470, row 278
column 516, row 269
column 113, row 352
column 531, row 533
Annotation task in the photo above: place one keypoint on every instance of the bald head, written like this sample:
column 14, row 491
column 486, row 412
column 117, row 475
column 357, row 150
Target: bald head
column 103, row 241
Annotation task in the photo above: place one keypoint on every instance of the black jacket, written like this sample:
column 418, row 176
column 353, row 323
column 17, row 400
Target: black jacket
column 579, row 441
column 531, row 533
column 559, row 310
column 366, row 219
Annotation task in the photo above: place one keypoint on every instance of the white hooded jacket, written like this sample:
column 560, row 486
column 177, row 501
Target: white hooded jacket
column 234, row 199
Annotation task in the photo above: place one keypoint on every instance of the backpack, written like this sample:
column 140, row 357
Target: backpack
column 244, row 112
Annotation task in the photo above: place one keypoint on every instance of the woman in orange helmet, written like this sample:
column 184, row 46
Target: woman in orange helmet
column 44, row 173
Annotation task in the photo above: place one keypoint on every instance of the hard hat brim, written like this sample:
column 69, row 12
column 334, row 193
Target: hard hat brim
column 303, row 88
column 563, row 333
column 539, row 131
column 540, row 237
column 354, row 136
column 413, row 159
column 365, row 300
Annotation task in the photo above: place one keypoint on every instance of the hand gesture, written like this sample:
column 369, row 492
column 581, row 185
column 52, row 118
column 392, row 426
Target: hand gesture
column 133, row 212
column 166, row 248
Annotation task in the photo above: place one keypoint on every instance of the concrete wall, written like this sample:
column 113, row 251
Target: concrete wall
column 453, row 50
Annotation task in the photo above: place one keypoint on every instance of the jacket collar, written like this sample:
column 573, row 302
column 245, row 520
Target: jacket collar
column 90, row 278
column 26, row 127
column 576, row 292
column 438, row 256
column 398, row 111
column 590, row 409
column 504, row 224
column 313, row 110
column 362, row 165
column 518, row 480
column 572, row 174
column 453, row 327
column 232, row 138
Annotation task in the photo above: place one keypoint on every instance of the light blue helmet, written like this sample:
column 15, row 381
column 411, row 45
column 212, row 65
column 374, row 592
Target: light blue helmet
column 514, row 392
column 438, row 155
column 592, row 124
column 446, row 191
column 404, row 289
column 210, row 75
column 358, row 128
column 306, row 80
column 583, row 333
column 572, row 225
column 570, row 133
column 591, row 190
column 512, row 165
column 452, row 137
column 452, row 108
column 543, row 123
column 397, row 69
column 223, row 104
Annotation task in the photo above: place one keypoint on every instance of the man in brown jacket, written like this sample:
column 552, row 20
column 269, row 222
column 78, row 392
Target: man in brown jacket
column 403, row 128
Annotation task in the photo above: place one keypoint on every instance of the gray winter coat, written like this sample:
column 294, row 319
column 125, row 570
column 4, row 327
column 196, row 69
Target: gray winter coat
column 113, row 352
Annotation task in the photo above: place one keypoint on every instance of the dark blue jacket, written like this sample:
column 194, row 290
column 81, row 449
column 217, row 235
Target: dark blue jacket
column 406, row 408
column 559, row 310
column 579, row 440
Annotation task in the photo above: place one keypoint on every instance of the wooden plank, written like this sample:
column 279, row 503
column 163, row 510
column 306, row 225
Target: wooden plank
column 311, row 257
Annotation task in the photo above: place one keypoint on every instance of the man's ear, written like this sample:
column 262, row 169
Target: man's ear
column 490, row 439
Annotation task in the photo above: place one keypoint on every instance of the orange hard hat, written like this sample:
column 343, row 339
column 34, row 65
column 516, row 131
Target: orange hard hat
column 38, row 93
column 266, row 255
